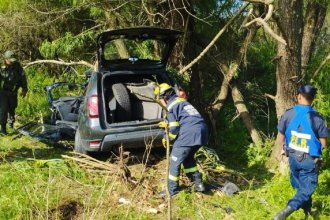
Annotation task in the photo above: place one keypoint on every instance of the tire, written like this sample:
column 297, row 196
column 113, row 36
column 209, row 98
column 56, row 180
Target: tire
column 123, row 111
column 78, row 146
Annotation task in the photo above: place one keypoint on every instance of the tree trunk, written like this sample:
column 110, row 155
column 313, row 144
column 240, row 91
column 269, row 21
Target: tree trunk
column 228, row 74
column 313, row 22
column 288, row 72
column 113, row 19
column 245, row 115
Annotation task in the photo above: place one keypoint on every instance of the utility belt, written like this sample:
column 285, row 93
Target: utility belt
column 300, row 156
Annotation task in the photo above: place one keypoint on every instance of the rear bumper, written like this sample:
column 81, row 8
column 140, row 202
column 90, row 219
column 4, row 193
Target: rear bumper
column 135, row 139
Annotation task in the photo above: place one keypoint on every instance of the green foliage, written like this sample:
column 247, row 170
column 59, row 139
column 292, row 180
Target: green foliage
column 96, row 12
column 69, row 47
column 258, row 155
column 34, row 106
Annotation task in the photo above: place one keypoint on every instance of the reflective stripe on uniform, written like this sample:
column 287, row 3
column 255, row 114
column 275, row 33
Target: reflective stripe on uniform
column 172, row 136
column 174, row 124
column 191, row 170
column 176, row 101
column 174, row 178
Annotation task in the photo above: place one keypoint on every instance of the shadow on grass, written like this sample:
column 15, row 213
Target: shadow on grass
column 20, row 149
column 257, row 174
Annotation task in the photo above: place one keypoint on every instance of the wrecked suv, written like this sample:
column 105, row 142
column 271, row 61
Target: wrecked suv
column 119, row 107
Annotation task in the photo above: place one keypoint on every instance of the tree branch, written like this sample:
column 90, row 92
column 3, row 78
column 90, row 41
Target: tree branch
column 326, row 59
column 266, row 2
column 267, row 28
column 270, row 96
column 206, row 49
column 60, row 62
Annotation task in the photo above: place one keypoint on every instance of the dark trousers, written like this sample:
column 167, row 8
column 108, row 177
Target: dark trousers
column 181, row 155
column 303, row 178
column 8, row 104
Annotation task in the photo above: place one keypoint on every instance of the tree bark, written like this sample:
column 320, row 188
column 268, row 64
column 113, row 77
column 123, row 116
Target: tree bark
column 313, row 22
column 288, row 71
column 245, row 115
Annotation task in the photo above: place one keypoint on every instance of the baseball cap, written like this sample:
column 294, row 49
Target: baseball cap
column 10, row 55
column 307, row 90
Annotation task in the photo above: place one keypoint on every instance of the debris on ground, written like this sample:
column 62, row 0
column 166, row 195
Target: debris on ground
column 66, row 210
column 219, row 177
column 124, row 201
column 93, row 165
column 47, row 132
column 230, row 189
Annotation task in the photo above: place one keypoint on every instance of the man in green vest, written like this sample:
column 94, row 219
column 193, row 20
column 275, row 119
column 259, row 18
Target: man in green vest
column 12, row 77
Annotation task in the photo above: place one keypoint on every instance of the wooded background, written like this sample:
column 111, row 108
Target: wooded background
column 249, row 76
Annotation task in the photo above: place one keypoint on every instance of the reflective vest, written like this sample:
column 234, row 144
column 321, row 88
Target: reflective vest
column 299, row 134
column 186, row 125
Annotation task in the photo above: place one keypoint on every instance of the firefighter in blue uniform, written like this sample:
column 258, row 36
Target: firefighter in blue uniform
column 302, row 132
column 187, row 132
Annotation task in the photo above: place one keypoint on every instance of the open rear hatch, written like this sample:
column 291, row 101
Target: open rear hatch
column 135, row 48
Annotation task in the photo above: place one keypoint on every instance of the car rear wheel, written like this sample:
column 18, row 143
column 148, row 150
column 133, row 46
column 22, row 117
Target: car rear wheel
column 123, row 110
column 78, row 146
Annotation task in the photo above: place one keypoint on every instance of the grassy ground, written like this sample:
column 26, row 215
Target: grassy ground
column 37, row 183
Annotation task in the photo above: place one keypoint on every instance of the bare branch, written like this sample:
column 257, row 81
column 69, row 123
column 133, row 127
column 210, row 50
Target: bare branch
column 152, row 14
column 192, row 15
column 266, row 2
column 270, row 96
column 323, row 63
column 206, row 49
column 267, row 28
column 59, row 62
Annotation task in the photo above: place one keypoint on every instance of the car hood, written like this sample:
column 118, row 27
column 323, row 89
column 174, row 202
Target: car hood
column 132, row 59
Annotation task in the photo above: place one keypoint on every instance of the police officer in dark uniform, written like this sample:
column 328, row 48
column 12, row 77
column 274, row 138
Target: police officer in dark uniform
column 188, row 132
column 302, row 132
column 12, row 78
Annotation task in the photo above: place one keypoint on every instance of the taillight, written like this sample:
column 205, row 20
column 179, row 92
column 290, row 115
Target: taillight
column 94, row 144
column 93, row 106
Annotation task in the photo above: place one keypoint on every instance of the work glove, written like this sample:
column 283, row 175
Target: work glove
column 164, row 142
column 163, row 124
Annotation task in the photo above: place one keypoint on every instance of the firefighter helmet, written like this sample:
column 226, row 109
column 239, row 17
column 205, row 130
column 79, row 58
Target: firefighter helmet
column 162, row 88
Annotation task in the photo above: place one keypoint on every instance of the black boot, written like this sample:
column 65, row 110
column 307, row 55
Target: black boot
column 313, row 213
column 3, row 129
column 199, row 185
column 284, row 213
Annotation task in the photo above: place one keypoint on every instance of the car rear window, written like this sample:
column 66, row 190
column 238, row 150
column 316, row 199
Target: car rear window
column 134, row 49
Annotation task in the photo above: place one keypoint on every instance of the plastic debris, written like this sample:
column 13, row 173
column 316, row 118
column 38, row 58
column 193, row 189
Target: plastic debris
column 124, row 201
column 230, row 188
